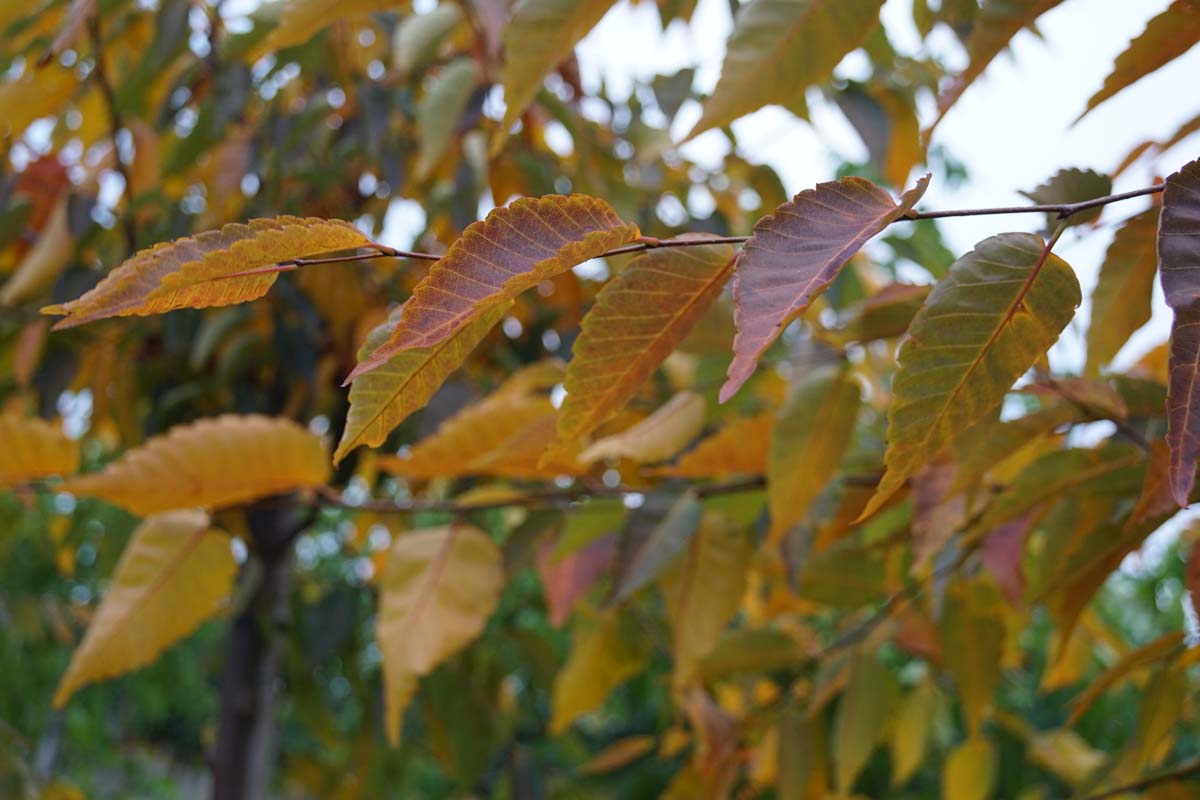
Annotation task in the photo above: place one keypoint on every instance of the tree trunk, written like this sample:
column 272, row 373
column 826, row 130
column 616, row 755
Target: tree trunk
column 245, row 747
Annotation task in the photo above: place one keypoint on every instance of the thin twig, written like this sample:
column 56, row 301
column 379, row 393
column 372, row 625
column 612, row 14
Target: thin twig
column 1184, row 771
column 1062, row 210
column 115, row 127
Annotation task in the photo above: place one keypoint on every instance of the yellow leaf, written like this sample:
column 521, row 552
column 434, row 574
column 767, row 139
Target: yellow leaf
column 638, row 319
column 541, row 35
column 656, row 438
column 175, row 573
column 300, row 20
column 42, row 265
column 197, row 271
column 382, row 399
column 861, row 716
column 972, row 637
column 739, row 448
column 36, row 94
column 513, row 249
column 1066, row 754
column 811, row 434
column 970, row 771
column 702, row 591
column 212, row 463
column 605, row 657
column 909, row 736
column 618, row 754
column 438, row 590
column 475, row 432
column 523, row 455
column 34, row 448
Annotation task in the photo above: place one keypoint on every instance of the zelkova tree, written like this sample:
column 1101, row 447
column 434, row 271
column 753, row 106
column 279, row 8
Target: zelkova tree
column 612, row 492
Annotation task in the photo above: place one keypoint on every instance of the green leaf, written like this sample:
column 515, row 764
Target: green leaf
column 1121, row 299
column 383, row 398
column 780, row 47
column 810, row 437
column 972, row 637
column 751, row 650
column 995, row 313
column 1166, row 37
column 844, row 576
column 703, row 590
column 665, row 543
column 437, row 592
column 175, row 573
column 1179, row 271
column 861, row 716
column 418, row 36
column 441, row 108
column 609, row 654
column 1072, row 186
column 541, row 35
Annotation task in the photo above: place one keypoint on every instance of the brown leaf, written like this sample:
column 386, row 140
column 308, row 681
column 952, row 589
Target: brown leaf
column 1179, row 271
column 793, row 256
column 1155, row 499
column 513, row 249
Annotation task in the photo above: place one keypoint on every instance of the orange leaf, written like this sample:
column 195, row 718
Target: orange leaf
column 793, row 256
column 34, row 448
column 740, row 448
column 522, row 455
column 197, row 272
column 1155, row 499
column 639, row 318
column 211, row 463
column 514, row 249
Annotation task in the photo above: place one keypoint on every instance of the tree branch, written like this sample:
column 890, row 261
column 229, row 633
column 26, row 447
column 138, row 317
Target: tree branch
column 1184, row 771
column 115, row 127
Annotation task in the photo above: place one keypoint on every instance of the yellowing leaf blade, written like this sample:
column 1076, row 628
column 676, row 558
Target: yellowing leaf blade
column 513, row 249
column 606, row 656
column 638, row 319
column 438, row 590
column 195, row 272
column 995, row 313
column 34, row 448
column 1121, row 299
column 174, row 574
column 213, row 463
column 656, row 438
column 739, row 448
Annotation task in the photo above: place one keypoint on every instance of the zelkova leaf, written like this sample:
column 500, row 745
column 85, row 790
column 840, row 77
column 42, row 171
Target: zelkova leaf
column 1157, row 651
column 638, row 319
column 862, row 714
column 739, row 448
column 1179, row 271
column 970, row 771
column 997, row 22
column 780, row 47
column 793, row 256
column 1166, row 37
column 1121, row 299
column 603, row 658
column 995, row 313
column 174, row 574
column 418, row 36
column 656, row 438
column 34, row 448
column 513, row 249
column 211, row 463
column 437, row 592
column 194, row 272
column 442, row 107
column 1072, row 186
column 475, row 431
column 812, row 433
column 524, row 455
column 383, row 398
column 540, row 36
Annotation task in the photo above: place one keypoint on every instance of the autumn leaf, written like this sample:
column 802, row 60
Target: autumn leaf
column 34, row 448
column 702, row 590
column 656, row 438
column 884, row 315
column 1121, row 299
column 199, row 271
column 639, row 318
column 612, row 651
column 970, row 772
column 664, row 544
column 383, row 398
column 541, row 35
column 1156, row 652
column 440, row 109
column 995, row 313
column 996, row 24
column 1166, row 37
column 298, row 21
column 972, row 638
column 793, row 256
column 175, row 573
column 418, row 36
column 810, row 437
column 476, row 431
column 513, row 249
column 213, row 463
column 566, row 578
column 1155, row 499
column 523, row 455
column 911, row 730
column 1179, row 271
column 44, row 262
column 1072, row 186
column 437, row 592
column 780, row 47
column 738, row 448
column 864, row 709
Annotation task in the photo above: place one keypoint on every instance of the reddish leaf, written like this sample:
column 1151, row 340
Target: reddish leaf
column 796, row 253
column 1179, row 270
column 1192, row 575
column 1155, row 499
column 1002, row 552
column 567, row 578
column 514, row 249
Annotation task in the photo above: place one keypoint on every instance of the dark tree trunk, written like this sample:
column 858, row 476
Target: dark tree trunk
column 245, row 749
